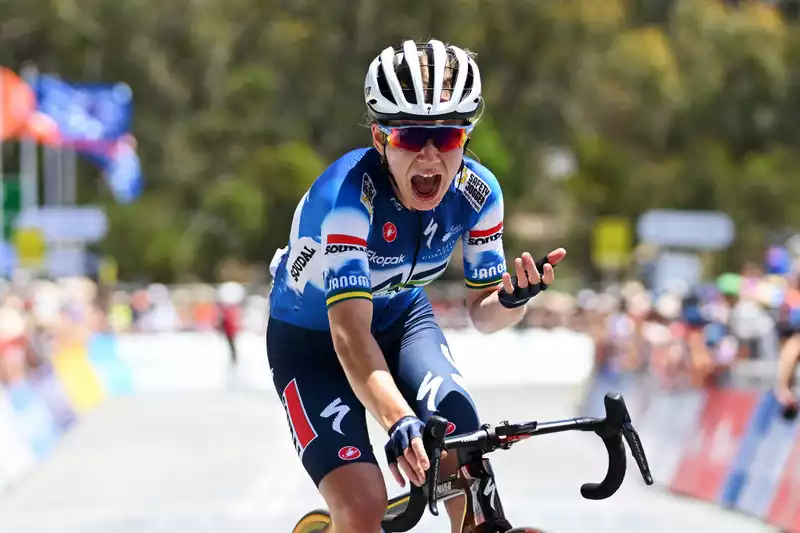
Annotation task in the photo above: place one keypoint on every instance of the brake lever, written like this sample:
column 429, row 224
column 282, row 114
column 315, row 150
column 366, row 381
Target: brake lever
column 637, row 450
column 435, row 431
column 433, row 505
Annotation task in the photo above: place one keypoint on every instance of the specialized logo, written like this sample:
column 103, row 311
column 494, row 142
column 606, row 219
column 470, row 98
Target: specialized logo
column 303, row 432
column 368, row 194
column 475, row 190
column 389, row 232
column 430, row 388
column 301, row 262
column 385, row 260
column 349, row 453
column 339, row 244
column 430, row 231
column 338, row 410
column 490, row 492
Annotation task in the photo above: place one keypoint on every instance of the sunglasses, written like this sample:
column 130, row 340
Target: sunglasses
column 414, row 138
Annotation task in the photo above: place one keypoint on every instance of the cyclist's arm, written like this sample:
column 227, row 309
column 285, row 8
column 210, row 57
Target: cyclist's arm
column 348, row 293
column 487, row 314
column 364, row 363
column 484, row 258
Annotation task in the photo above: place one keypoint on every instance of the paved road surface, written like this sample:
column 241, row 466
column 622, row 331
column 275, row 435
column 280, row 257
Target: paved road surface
column 196, row 462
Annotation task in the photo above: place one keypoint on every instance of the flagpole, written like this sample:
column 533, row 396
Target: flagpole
column 2, row 170
column 29, row 154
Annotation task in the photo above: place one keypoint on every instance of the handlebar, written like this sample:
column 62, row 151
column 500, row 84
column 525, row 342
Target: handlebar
column 612, row 429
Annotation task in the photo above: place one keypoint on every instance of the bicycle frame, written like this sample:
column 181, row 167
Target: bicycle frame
column 475, row 478
column 475, row 481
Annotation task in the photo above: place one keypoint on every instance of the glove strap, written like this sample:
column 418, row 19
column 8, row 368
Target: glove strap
column 521, row 296
column 400, row 423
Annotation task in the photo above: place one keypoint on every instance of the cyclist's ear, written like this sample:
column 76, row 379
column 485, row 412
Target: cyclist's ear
column 378, row 140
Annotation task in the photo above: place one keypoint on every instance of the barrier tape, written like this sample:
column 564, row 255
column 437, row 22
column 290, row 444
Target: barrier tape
column 727, row 446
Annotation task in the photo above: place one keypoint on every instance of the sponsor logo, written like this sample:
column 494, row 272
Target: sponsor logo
column 342, row 248
column 451, row 428
column 344, row 282
column 301, row 262
column 480, row 241
column 430, row 387
column 339, row 243
column 338, row 410
column 349, row 453
column 385, row 260
column 441, row 488
column 367, row 193
column 475, row 190
column 440, row 253
column 430, row 231
column 491, row 272
column 303, row 432
column 455, row 230
column 389, row 232
column 480, row 237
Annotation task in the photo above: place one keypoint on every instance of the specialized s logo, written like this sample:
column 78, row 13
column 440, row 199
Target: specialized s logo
column 367, row 193
column 481, row 237
column 475, row 190
column 339, row 244
column 430, row 231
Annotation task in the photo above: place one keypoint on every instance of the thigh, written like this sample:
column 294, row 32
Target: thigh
column 326, row 420
column 426, row 374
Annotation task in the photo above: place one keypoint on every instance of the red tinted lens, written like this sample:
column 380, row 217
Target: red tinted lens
column 415, row 139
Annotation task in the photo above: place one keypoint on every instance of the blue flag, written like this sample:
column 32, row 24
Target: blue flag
column 95, row 120
column 87, row 115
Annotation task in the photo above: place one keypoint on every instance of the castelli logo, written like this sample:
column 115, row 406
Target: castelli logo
column 389, row 232
column 450, row 428
column 349, row 453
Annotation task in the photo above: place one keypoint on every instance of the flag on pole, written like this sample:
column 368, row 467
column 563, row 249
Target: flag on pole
column 17, row 103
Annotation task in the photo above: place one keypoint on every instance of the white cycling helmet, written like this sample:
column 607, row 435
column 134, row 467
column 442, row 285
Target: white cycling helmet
column 388, row 99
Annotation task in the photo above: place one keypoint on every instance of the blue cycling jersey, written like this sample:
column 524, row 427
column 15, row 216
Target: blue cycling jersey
column 352, row 238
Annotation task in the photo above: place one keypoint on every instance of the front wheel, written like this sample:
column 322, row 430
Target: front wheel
column 313, row 522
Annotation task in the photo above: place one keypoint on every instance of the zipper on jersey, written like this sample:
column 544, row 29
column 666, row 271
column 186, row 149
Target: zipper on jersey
column 416, row 252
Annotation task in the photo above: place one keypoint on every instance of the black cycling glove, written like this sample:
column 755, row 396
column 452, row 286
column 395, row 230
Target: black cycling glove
column 521, row 296
column 400, row 436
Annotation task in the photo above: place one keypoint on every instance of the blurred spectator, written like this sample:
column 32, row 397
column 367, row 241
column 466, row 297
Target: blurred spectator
column 230, row 297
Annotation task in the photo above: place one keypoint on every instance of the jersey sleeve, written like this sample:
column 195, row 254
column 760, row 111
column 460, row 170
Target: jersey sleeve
column 344, row 236
column 484, row 258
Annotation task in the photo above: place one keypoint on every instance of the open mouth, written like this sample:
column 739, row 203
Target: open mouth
column 426, row 186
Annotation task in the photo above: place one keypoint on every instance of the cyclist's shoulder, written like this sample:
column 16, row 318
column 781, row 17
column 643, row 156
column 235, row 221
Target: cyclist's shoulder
column 342, row 182
column 478, row 186
column 348, row 168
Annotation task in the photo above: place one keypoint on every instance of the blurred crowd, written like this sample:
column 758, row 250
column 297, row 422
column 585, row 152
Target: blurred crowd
column 685, row 336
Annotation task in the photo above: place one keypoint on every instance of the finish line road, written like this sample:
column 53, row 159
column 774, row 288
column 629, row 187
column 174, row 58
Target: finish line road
column 196, row 462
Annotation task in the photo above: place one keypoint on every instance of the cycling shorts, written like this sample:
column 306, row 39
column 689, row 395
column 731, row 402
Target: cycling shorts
column 327, row 421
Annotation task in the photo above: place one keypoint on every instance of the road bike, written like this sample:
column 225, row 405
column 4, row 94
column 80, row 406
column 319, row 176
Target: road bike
column 475, row 478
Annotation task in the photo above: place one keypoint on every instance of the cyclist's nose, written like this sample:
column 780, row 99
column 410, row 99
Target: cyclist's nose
column 429, row 151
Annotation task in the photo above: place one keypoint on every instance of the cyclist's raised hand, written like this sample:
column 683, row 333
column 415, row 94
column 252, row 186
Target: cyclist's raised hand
column 405, row 449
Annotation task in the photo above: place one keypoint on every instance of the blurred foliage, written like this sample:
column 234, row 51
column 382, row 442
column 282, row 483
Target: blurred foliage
column 241, row 104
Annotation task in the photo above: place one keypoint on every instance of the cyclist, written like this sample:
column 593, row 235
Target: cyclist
column 350, row 327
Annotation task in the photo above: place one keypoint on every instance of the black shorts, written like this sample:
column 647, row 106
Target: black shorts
column 326, row 419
